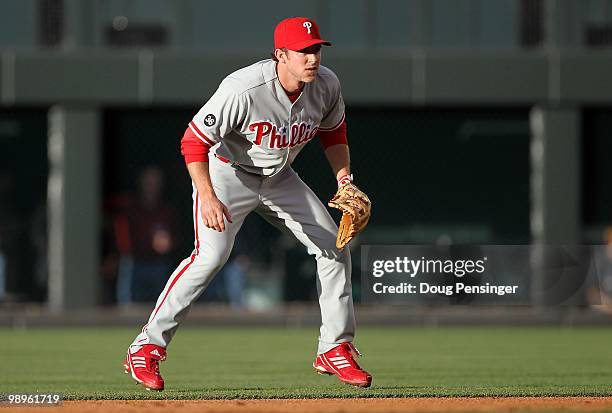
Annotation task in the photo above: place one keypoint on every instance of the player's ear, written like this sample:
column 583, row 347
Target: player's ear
column 281, row 55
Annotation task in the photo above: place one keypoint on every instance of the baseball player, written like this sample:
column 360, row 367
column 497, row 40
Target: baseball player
column 238, row 149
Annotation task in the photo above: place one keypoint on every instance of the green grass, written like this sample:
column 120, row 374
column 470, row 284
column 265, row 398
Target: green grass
column 224, row 363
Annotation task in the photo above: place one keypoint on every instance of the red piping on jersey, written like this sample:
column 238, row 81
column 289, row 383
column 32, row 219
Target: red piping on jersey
column 222, row 158
column 333, row 127
column 195, row 148
column 334, row 137
column 200, row 135
column 192, row 259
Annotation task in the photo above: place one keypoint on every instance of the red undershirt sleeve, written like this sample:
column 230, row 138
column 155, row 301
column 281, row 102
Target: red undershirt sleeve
column 334, row 137
column 193, row 149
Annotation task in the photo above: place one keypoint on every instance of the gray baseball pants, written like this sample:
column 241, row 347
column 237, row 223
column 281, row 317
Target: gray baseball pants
column 288, row 203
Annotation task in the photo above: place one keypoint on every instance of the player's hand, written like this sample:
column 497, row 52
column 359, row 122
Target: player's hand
column 214, row 212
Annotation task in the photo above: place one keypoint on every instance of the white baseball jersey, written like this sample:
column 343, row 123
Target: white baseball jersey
column 251, row 121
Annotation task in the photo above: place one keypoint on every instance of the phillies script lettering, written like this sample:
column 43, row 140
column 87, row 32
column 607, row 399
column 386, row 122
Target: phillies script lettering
column 280, row 138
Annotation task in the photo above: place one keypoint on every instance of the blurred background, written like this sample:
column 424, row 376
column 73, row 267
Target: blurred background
column 469, row 121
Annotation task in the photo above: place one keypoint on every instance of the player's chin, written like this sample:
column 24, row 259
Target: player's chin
column 309, row 76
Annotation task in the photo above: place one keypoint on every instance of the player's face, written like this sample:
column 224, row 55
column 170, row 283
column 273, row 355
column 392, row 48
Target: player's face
column 304, row 65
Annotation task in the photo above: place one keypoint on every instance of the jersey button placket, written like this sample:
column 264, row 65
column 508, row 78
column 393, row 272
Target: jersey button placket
column 294, row 108
column 286, row 154
column 288, row 148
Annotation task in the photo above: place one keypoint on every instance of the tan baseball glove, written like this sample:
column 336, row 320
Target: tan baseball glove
column 356, row 209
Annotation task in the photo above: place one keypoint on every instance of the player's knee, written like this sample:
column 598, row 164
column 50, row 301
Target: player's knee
column 344, row 256
column 331, row 252
column 212, row 262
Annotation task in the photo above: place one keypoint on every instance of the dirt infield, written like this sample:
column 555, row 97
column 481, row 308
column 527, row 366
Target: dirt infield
column 449, row 404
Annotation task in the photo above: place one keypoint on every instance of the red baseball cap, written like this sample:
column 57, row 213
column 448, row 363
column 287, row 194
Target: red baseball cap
column 297, row 33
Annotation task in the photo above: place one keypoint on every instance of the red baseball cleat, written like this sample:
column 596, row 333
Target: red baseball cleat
column 340, row 361
column 144, row 366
